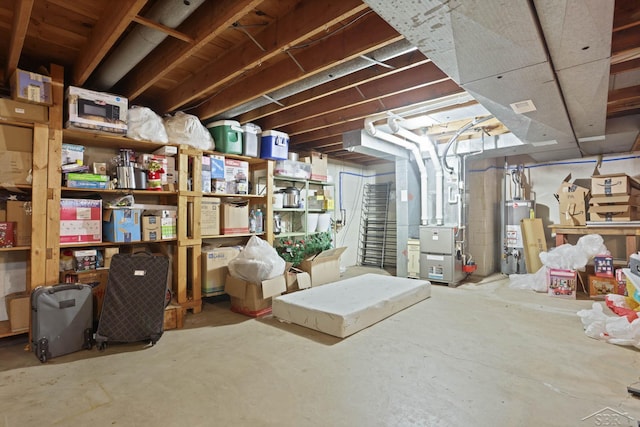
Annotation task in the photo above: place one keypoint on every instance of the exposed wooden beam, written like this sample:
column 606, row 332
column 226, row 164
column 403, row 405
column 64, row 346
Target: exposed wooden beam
column 208, row 22
column 624, row 66
column 387, row 86
column 625, row 99
column 626, row 15
column 365, row 35
column 108, row 29
column 162, row 28
column 360, row 112
column 21, row 15
column 636, row 144
column 399, row 64
column 305, row 21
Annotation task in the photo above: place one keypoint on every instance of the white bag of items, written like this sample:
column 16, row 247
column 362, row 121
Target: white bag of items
column 258, row 261
column 187, row 129
column 145, row 125
column 563, row 257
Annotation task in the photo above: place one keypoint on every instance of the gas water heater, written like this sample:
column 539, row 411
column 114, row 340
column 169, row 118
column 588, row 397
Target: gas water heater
column 513, row 246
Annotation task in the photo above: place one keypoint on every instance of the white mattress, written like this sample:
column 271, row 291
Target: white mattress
column 345, row 307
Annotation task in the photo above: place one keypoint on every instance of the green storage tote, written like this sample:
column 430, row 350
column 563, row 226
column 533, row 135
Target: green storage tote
column 227, row 135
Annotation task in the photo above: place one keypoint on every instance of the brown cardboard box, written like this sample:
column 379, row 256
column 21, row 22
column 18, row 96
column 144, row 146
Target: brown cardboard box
column 573, row 203
column 210, row 216
column 614, row 213
column 614, row 184
column 18, row 310
column 20, row 213
column 16, row 160
column 319, row 165
column 534, row 243
column 108, row 254
column 234, row 216
column 23, row 111
column 253, row 299
column 599, row 287
column 214, row 267
column 31, row 87
column 151, row 228
column 324, row 267
column 296, row 279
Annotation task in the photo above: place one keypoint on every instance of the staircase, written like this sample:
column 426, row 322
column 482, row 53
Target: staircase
column 377, row 242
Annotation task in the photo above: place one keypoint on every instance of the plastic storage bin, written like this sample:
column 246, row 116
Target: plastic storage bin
column 274, row 145
column 227, row 135
column 251, row 145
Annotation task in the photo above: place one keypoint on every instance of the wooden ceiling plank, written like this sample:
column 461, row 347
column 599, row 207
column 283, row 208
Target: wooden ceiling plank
column 162, row 28
column 208, row 22
column 304, row 22
column 399, row 64
column 386, row 86
column 625, row 66
column 359, row 113
column 108, row 29
column 625, row 99
column 372, row 33
column 21, row 16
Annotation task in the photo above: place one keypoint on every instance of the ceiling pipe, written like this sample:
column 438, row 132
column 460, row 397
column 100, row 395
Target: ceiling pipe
column 371, row 129
column 141, row 41
column 455, row 137
column 426, row 144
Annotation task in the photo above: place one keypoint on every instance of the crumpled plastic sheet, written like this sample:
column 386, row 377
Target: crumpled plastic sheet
column 563, row 257
column 612, row 329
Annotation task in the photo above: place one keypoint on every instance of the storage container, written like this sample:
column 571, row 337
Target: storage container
column 274, row 145
column 251, row 135
column 227, row 135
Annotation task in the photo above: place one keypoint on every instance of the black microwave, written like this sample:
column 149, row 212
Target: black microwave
column 109, row 113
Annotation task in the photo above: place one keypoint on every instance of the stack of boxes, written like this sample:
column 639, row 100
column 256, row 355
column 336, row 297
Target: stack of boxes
column 615, row 198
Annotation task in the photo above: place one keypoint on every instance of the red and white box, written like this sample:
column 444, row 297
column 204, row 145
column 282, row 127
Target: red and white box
column 80, row 221
column 562, row 283
column 7, row 234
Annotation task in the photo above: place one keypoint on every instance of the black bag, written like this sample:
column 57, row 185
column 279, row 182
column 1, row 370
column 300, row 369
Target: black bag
column 134, row 302
column 61, row 320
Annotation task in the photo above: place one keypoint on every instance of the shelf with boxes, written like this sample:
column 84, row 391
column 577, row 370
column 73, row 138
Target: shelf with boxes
column 23, row 192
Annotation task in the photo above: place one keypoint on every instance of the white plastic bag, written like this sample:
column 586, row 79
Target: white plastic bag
column 144, row 124
column 570, row 257
column 186, row 129
column 535, row 281
column 258, row 261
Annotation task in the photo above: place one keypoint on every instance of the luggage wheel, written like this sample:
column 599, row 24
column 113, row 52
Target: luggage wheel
column 41, row 349
column 101, row 346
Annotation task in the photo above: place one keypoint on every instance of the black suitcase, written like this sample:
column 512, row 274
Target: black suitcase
column 61, row 320
column 134, row 302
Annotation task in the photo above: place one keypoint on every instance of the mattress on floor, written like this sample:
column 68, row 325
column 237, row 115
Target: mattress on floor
column 345, row 307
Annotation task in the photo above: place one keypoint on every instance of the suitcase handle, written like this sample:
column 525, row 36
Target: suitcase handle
column 65, row 287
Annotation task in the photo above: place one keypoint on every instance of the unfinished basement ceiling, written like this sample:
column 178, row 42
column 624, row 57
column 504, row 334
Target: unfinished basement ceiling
column 317, row 69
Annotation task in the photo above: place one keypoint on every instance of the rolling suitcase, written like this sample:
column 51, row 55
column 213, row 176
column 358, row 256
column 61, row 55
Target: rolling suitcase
column 134, row 302
column 61, row 320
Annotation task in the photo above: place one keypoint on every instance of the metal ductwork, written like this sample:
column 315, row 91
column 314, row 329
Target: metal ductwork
column 141, row 41
column 383, row 54
column 540, row 67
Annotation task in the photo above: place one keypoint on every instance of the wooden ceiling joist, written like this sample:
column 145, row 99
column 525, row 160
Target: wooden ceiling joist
column 109, row 28
column 21, row 16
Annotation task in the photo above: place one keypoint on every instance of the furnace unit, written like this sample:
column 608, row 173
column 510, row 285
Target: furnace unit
column 441, row 259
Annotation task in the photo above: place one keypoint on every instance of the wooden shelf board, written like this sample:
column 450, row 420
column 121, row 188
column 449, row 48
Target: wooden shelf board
column 5, row 330
column 139, row 242
column 93, row 138
column 10, row 187
column 120, row 191
column 16, row 248
column 244, row 196
column 223, row 236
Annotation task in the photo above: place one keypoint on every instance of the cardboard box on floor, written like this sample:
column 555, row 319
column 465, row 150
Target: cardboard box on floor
column 296, row 279
column 324, row 267
column 253, row 298
column 18, row 310
column 573, row 201
column 214, row 267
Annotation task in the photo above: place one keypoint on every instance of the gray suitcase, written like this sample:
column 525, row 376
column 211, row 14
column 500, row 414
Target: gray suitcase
column 61, row 320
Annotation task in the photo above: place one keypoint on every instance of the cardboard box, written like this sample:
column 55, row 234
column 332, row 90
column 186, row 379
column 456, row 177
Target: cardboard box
column 562, row 283
column 324, row 267
column 253, row 299
column 122, row 225
column 624, row 199
column 7, row 234
column 72, row 154
column 217, row 167
column 108, row 254
column 573, row 201
column 31, row 87
column 599, row 287
column 80, row 221
column 16, row 160
column 18, row 309
column 234, row 216
column 614, row 184
column 88, row 109
column 151, row 228
column 168, row 228
column 206, row 174
column 603, row 265
column 23, row 111
column 214, row 267
column 534, row 243
column 296, row 279
column 20, row 213
column 319, row 165
column 614, row 213
column 292, row 169
column 236, row 175
column 210, row 216
column 85, row 259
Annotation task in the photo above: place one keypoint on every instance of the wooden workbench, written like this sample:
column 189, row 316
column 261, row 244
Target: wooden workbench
column 631, row 233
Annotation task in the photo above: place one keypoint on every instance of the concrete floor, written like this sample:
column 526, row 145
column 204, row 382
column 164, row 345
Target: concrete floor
column 480, row 354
